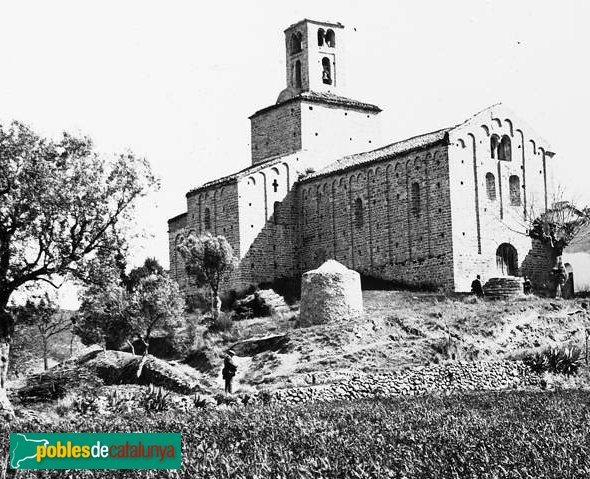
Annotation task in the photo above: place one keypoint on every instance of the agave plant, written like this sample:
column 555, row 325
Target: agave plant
column 155, row 399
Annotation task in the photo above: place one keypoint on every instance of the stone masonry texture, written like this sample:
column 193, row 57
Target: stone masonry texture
column 330, row 293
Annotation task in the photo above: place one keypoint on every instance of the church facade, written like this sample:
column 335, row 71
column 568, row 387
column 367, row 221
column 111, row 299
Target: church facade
column 437, row 208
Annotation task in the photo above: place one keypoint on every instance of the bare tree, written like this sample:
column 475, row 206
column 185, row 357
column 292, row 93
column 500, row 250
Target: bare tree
column 43, row 313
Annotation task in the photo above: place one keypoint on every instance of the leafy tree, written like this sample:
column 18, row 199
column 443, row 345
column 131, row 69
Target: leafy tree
column 156, row 304
column 60, row 204
column 208, row 259
column 45, row 315
column 149, row 267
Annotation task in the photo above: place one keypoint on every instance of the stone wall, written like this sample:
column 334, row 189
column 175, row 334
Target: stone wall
column 444, row 378
column 484, row 211
column 390, row 219
column 276, row 131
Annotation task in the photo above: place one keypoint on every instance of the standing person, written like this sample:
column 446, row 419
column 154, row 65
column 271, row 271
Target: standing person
column 476, row 287
column 229, row 371
column 527, row 286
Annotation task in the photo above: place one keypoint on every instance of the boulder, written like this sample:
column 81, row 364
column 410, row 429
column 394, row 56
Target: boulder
column 278, row 343
column 331, row 292
column 261, row 303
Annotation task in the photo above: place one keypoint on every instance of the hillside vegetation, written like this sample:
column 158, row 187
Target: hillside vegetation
column 398, row 330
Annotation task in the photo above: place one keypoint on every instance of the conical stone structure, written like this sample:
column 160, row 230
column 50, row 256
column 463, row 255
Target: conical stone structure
column 331, row 292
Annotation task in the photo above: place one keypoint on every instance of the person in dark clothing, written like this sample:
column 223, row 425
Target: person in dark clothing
column 476, row 287
column 527, row 287
column 229, row 371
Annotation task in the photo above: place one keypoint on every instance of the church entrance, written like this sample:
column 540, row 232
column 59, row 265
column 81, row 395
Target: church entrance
column 507, row 260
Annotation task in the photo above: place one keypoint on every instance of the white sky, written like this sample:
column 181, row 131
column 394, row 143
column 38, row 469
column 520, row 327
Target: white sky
column 176, row 80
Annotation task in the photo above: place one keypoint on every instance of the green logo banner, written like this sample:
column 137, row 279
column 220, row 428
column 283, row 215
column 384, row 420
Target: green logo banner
column 100, row 450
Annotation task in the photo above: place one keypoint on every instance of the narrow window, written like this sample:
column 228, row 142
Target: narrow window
column 330, row 38
column 514, row 184
column 505, row 150
column 358, row 213
column 276, row 212
column 491, row 186
column 494, row 143
column 416, row 199
column 327, row 71
column 321, row 35
column 296, row 42
column 297, row 74
column 207, row 219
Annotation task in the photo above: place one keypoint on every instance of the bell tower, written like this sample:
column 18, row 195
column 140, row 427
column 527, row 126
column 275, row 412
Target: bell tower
column 314, row 53
column 312, row 116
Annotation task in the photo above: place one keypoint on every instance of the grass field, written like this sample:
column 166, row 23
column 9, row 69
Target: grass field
column 511, row 434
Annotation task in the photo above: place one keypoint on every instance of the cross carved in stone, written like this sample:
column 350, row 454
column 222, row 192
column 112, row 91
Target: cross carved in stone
column 275, row 185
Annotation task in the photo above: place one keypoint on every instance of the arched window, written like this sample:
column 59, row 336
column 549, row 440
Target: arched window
column 297, row 74
column 321, row 34
column 276, row 212
column 296, row 42
column 416, row 199
column 207, row 219
column 327, row 71
column 491, row 186
column 358, row 213
column 514, row 185
column 494, row 143
column 330, row 38
column 505, row 150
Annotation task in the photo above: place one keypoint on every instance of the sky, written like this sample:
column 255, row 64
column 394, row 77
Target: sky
column 175, row 81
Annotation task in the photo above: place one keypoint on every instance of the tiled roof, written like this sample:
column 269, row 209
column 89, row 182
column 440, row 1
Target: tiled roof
column 382, row 153
column 326, row 98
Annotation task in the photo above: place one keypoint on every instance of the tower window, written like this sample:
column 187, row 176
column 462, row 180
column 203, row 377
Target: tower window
column 491, row 186
column 330, row 38
column 327, row 71
column 494, row 143
column 514, row 184
column 415, row 199
column 321, row 34
column 358, row 213
column 297, row 74
column 296, row 42
column 505, row 150
column 207, row 219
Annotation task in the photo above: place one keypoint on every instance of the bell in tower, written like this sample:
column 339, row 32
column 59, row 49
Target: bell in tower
column 314, row 56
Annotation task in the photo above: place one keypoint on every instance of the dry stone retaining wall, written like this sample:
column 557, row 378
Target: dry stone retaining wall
column 443, row 378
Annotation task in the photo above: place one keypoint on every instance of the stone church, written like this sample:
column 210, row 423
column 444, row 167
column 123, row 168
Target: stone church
column 437, row 208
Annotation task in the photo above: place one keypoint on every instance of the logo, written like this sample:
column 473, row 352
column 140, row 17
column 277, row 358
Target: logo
column 95, row 450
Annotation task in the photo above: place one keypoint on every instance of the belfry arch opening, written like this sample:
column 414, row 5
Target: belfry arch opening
column 507, row 260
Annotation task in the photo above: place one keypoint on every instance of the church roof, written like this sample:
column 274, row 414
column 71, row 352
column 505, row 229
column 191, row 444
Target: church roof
column 325, row 98
column 237, row 175
column 385, row 152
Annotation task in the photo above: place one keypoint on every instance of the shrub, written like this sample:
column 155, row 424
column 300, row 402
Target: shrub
column 555, row 360
column 155, row 399
column 224, row 323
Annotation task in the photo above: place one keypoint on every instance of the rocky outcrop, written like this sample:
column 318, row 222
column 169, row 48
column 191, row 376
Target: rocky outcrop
column 331, row 292
column 260, row 304
column 279, row 343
